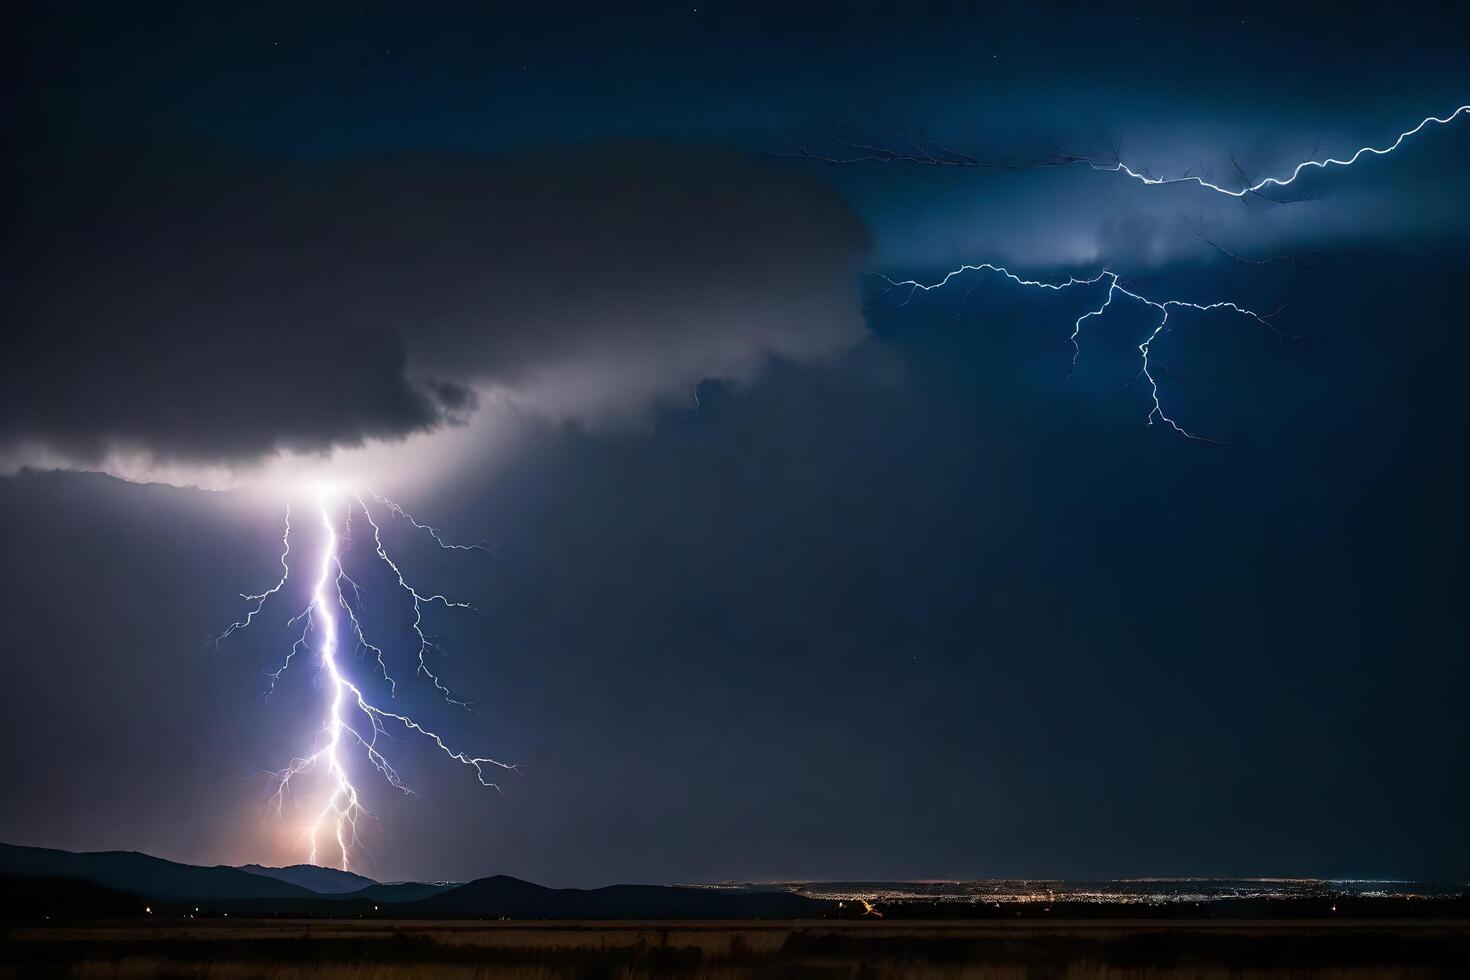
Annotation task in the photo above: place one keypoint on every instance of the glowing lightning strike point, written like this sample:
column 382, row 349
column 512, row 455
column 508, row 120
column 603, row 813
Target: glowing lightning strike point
column 1120, row 167
column 1156, row 413
column 351, row 719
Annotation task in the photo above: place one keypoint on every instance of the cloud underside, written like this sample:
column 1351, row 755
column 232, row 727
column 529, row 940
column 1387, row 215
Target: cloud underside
column 198, row 307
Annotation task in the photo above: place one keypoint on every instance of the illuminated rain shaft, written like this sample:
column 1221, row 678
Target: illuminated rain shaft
column 1156, row 412
column 352, row 723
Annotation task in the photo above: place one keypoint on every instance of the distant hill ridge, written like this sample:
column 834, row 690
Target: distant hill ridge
column 143, row 874
column 259, row 891
column 324, row 881
column 517, row 899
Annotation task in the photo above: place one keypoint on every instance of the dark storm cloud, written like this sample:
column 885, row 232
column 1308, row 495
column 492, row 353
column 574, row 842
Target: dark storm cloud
column 202, row 306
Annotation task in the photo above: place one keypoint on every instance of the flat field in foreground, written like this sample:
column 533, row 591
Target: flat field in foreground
column 1061, row 950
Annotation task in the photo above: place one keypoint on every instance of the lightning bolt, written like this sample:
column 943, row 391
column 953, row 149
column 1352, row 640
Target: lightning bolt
column 1115, row 288
column 902, row 148
column 351, row 721
column 1301, row 168
column 260, row 598
column 419, row 600
column 940, row 156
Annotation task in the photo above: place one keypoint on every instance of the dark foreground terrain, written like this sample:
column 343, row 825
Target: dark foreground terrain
column 1075, row 949
column 123, row 914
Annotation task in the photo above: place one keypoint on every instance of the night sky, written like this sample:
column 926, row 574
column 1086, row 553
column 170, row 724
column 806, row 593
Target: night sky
column 787, row 577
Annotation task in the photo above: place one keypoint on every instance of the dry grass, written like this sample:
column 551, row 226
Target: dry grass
column 163, row 968
column 365, row 950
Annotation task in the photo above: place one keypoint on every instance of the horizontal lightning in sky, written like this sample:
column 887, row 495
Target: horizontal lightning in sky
column 352, row 720
column 902, row 148
column 1115, row 288
column 1114, row 285
column 1301, row 168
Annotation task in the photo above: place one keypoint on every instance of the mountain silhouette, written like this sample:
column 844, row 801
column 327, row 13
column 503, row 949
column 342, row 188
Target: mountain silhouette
column 142, row 874
column 51, row 896
column 128, row 882
column 505, row 896
column 323, row 881
column 401, row 891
